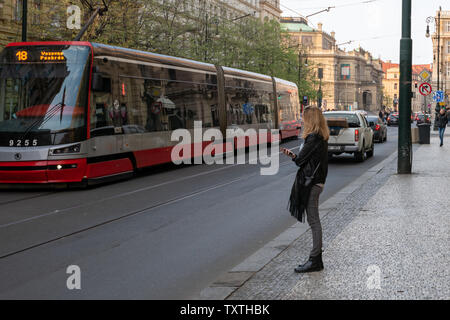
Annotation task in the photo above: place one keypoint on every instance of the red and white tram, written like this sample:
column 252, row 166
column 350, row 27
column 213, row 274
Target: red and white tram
column 79, row 112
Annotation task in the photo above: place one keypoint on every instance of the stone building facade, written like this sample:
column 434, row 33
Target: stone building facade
column 233, row 9
column 391, row 87
column 444, row 59
column 351, row 80
column 10, row 21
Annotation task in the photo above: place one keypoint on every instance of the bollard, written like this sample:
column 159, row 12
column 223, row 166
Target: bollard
column 414, row 135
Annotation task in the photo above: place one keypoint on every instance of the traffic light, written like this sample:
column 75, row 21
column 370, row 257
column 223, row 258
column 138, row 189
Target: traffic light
column 415, row 84
column 320, row 73
column 305, row 100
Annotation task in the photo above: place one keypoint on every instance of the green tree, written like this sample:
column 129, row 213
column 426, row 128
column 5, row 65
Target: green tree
column 184, row 28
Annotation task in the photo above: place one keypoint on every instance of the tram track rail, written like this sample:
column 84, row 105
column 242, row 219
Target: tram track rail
column 127, row 214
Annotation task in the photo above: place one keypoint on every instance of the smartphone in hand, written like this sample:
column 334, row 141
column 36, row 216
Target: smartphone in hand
column 288, row 152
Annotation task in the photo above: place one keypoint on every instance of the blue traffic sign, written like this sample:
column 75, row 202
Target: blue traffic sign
column 438, row 96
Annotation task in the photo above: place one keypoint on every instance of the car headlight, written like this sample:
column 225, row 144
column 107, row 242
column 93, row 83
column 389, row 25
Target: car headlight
column 75, row 148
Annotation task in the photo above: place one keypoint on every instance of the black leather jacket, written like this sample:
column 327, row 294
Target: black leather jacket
column 314, row 151
column 442, row 120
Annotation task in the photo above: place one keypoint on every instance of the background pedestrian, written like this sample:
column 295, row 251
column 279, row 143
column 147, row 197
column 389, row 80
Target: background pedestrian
column 442, row 121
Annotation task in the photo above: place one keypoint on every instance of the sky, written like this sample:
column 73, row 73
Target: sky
column 375, row 25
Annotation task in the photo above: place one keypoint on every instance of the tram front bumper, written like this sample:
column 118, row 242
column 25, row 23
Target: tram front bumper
column 43, row 172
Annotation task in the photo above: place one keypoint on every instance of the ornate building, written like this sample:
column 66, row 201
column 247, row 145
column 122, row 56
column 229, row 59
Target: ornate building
column 444, row 54
column 391, row 89
column 351, row 80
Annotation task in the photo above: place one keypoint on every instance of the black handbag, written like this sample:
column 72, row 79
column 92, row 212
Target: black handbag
column 309, row 179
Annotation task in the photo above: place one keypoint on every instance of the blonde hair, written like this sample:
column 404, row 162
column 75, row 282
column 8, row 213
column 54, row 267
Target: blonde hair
column 314, row 122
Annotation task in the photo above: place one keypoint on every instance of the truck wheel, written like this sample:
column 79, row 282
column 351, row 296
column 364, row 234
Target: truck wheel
column 359, row 156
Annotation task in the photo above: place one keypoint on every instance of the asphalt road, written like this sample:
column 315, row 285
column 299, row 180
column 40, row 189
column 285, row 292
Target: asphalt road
column 165, row 234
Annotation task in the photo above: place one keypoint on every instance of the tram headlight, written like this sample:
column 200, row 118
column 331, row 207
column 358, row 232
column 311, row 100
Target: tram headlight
column 75, row 148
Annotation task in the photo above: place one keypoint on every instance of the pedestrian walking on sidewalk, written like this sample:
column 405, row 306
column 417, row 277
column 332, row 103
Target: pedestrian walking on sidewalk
column 442, row 121
column 309, row 182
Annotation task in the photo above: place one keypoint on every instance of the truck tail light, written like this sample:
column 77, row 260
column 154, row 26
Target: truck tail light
column 356, row 135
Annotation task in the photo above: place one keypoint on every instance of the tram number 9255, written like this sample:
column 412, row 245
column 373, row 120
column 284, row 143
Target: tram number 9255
column 23, row 143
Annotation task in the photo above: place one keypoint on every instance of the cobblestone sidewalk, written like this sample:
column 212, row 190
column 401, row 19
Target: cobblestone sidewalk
column 388, row 240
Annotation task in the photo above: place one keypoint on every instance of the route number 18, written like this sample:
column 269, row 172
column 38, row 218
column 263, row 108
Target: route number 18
column 22, row 55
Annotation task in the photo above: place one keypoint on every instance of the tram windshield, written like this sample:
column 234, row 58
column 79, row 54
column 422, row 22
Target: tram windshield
column 43, row 95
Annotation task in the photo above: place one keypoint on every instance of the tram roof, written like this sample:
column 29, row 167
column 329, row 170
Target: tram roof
column 139, row 55
column 103, row 49
column 285, row 82
column 144, row 55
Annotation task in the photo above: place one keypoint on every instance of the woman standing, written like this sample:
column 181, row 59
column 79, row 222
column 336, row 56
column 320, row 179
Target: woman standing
column 313, row 162
column 442, row 121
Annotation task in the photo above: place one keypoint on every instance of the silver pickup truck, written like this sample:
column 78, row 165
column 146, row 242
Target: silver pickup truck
column 349, row 133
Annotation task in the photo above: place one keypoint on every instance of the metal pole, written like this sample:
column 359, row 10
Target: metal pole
column 436, row 114
column 86, row 26
column 24, row 19
column 438, row 49
column 300, row 78
column 404, row 132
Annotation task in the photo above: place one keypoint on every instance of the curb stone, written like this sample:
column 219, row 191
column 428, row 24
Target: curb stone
column 231, row 281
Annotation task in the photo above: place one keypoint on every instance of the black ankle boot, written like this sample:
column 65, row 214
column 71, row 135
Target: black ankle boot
column 313, row 264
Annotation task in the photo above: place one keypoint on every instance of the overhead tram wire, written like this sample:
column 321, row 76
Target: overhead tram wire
column 336, row 6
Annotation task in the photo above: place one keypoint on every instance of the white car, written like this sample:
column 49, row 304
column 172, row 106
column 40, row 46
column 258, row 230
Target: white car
column 349, row 133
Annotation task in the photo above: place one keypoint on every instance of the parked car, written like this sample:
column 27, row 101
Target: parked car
column 349, row 133
column 378, row 127
column 423, row 118
column 392, row 119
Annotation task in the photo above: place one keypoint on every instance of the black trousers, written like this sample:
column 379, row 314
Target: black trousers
column 312, row 214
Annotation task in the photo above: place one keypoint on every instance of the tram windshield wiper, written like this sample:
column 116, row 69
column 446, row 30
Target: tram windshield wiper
column 50, row 114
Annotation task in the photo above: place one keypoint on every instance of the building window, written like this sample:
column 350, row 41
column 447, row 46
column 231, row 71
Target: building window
column 448, row 26
column 395, row 86
column 36, row 16
column 448, row 47
column 17, row 10
column 395, row 76
column 307, row 41
column 326, row 45
column 448, row 69
column 2, row 5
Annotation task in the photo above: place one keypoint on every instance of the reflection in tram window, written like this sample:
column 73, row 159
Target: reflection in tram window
column 249, row 103
column 163, row 99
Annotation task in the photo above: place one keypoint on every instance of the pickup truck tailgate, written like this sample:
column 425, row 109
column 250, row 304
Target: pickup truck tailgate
column 341, row 136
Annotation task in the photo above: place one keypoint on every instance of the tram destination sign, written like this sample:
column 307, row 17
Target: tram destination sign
column 39, row 55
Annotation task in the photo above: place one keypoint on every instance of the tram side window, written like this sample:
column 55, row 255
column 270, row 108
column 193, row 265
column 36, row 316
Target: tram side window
column 164, row 105
column 246, row 106
column 132, row 110
column 191, row 102
column 101, row 123
column 286, row 104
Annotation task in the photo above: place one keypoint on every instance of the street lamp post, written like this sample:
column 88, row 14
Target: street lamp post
column 437, row 23
column 404, row 132
column 24, row 19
